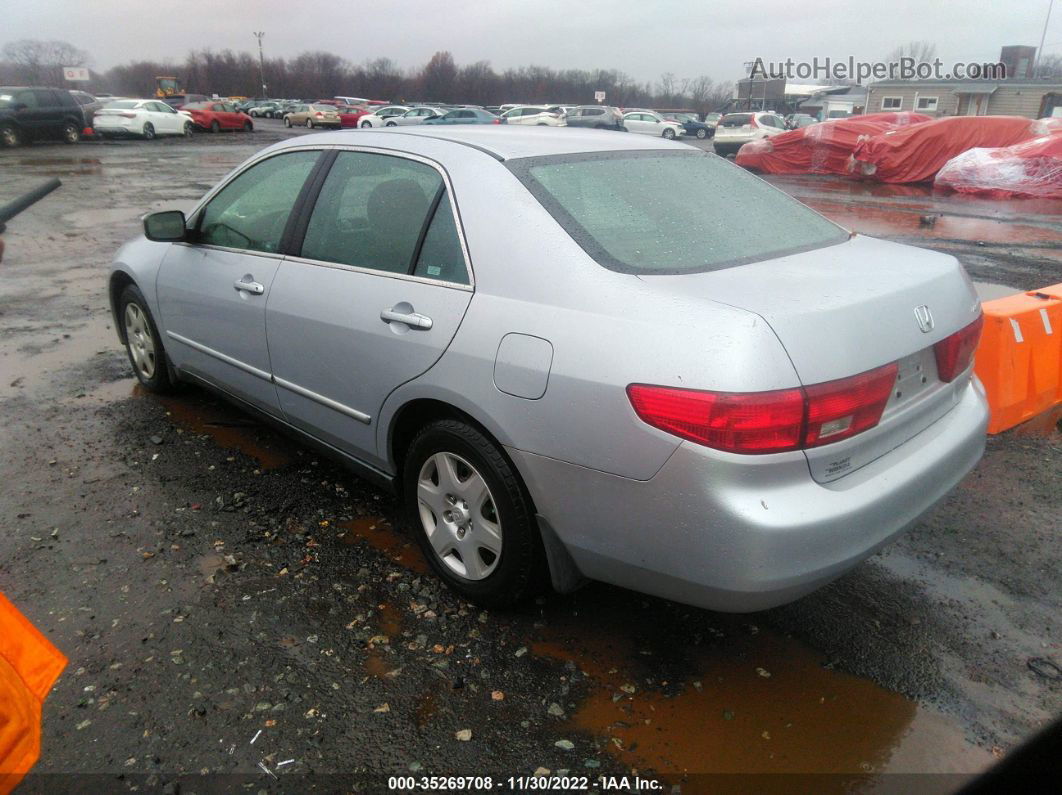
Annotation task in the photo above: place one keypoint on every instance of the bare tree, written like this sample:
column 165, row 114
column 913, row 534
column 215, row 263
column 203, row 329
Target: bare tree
column 919, row 51
column 42, row 62
column 1049, row 66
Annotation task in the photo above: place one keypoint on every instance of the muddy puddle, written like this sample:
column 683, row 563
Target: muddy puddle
column 195, row 412
column 747, row 700
column 378, row 533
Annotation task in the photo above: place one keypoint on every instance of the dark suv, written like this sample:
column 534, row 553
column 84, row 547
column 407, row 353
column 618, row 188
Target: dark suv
column 599, row 117
column 29, row 113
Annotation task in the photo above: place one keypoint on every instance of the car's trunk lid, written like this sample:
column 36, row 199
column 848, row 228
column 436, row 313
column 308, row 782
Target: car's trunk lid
column 848, row 308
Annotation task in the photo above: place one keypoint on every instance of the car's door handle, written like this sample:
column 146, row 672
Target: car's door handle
column 411, row 319
column 248, row 285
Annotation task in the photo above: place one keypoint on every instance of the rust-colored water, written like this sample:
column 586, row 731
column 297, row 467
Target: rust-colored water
column 378, row 533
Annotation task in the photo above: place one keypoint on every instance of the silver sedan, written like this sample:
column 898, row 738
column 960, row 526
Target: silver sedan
column 575, row 355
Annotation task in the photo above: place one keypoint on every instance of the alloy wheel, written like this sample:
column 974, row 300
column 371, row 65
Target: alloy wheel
column 459, row 516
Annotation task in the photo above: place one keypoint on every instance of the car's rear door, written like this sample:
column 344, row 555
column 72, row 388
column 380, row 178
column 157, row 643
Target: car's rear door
column 371, row 299
column 212, row 291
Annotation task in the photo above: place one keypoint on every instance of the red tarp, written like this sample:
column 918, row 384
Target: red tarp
column 820, row 148
column 1030, row 169
column 918, row 152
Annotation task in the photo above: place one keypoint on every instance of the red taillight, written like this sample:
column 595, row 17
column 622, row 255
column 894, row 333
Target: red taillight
column 955, row 353
column 768, row 422
column 496, row 121
column 839, row 409
column 319, row 114
column 760, row 422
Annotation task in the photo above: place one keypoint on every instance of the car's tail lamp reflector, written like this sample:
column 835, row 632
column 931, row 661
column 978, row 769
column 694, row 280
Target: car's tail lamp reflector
column 955, row 353
column 768, row 422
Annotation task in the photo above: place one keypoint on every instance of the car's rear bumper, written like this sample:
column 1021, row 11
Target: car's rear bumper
column 743, row 533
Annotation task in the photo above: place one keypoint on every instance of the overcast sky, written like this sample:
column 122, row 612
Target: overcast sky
column 644, row 39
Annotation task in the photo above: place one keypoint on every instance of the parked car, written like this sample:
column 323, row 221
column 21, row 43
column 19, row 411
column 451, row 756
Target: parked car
column 146, row 118
column 265, row 110
column 535, row 115
column 465, row 116
column 89, row 105
column 178, row 101
column 598, row 117
column 417, row 115
column 712, row 119
column 773, row 413
column 315, row 115
column 736, row 129
column 217, row 116
column 648, row 122
column 378, row 116
column 794, row 121
column 351, row 116
column 29, row 113
column 691, row 126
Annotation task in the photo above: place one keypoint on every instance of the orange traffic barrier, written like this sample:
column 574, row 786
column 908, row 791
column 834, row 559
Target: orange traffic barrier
column 29, row 666
column 1019, row 359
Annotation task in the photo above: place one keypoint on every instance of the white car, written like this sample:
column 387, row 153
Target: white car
column 414, row 116
column 538, row 115
column 379, row 116
column 736, row 129
column 144, row 117
column 649, row 122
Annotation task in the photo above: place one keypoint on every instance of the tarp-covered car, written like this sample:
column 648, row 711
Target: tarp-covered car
column 1028, row 170
column 824, row 148
column 917, row 153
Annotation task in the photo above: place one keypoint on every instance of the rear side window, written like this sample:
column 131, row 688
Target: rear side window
column 375, row 211
column 671, row 212
column 251, row 211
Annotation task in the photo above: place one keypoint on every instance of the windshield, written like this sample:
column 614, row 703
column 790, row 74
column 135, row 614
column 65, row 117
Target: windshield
column 671, row 212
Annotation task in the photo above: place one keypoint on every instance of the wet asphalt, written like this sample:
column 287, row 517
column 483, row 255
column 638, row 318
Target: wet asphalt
column 230, row 601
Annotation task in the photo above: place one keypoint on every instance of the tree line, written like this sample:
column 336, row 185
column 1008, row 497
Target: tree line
column 318, row 74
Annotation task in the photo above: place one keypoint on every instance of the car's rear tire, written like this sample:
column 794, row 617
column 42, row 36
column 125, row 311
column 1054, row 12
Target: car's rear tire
column 248, row 127
column 702, row 134
column 668, row 133
column 391, row 124
column 472, row 515
column 71, row 133
column 9, row 136
column 149, row 131
column 215, row 126
column 142, row 341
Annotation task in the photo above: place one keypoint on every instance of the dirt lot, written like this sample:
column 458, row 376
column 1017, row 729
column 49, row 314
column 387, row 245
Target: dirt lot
column 227, row 598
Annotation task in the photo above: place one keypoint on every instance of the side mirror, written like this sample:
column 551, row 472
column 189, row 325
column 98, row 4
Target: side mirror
column 165, row 227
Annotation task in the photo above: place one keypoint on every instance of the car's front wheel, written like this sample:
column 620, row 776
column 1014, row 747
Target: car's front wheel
column 142, row 341
column 391, row 124
column 287, row 122
column 309, row 123
column 9, row 136
column 366, row 125
column 668, row 133
column 248, row 127
column 474, row 520
column 702, row 133
column 188, row 129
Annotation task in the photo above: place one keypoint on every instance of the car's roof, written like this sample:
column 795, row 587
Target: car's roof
column 501, row 142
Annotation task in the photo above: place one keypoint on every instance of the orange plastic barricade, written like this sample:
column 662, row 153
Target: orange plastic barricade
column 1019, row 359
column 29, row 666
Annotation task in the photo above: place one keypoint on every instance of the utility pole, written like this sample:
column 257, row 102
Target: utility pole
column 258, row 34
column 1040, row 52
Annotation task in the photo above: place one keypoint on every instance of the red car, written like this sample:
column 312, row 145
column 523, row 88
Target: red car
column 217, row 116
column 349, row 115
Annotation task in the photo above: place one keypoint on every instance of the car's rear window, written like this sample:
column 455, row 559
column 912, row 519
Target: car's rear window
column 671, row 212
column 736, row 119
column 122, row 103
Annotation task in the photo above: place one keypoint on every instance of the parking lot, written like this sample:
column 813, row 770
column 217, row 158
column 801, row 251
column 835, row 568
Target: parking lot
column 228, row 598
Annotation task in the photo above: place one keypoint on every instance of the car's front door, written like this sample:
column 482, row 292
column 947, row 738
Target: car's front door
column 372, row 299
column 212, row 291
column 165, row 118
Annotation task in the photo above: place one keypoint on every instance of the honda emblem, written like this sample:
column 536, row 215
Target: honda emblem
column 924, row 318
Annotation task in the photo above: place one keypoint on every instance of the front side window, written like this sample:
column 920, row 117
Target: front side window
column 251, row 211
column 670, row 212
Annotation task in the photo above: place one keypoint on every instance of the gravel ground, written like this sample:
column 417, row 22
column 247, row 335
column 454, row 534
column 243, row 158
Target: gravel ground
column 210, row 579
